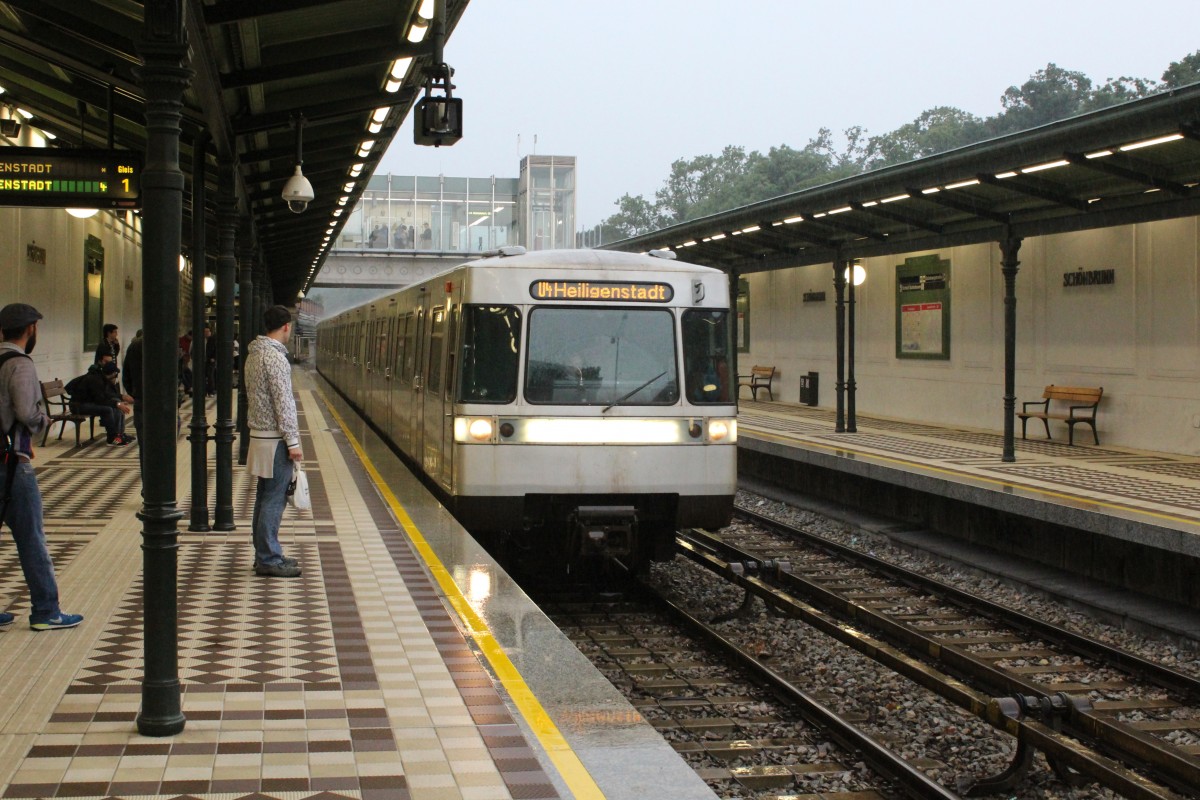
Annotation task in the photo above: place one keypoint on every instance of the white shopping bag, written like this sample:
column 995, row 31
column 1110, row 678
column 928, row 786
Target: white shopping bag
column 298, row 496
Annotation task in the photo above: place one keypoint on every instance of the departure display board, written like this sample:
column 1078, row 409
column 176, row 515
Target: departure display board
column 59, row 178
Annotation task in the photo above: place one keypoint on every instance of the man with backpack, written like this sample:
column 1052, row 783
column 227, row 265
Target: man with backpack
column 20, row 498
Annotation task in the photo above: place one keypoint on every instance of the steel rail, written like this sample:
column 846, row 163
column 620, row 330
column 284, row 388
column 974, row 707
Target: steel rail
column 701, row 548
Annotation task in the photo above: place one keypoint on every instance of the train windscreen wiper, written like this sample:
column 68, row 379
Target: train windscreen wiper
column 635, row 391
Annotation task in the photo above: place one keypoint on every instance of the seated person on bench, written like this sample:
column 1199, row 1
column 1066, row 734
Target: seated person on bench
column 96, row 393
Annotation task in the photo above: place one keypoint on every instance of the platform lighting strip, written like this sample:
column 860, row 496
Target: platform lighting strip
column 958, row 185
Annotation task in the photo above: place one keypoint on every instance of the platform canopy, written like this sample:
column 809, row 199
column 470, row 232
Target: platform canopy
column 1136, row 162
column 258, row 64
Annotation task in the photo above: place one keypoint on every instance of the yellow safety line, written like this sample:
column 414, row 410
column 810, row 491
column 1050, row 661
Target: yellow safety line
column 1078, row 498
column 573, row 772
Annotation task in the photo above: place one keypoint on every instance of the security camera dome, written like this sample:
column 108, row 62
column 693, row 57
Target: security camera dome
column 298, row 192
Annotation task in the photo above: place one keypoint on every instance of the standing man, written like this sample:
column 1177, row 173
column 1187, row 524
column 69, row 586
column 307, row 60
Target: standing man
column 109, row 345
column 21, row 500
column 210, row 362
column 274, row 439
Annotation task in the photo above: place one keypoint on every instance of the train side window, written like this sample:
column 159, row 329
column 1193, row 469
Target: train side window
column 437, row 336
column 491, row 344
column 452, row 354
column 706, row 342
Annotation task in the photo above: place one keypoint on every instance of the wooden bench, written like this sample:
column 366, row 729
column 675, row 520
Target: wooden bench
column 1081, row 408
column 759, row 378
column 58, row 407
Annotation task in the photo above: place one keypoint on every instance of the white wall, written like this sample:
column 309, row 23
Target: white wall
column 1138, row 338
column 56, row 288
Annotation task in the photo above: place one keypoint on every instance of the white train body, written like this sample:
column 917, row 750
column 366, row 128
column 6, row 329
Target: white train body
column 576, row 400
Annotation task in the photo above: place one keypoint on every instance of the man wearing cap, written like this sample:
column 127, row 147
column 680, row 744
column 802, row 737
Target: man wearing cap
column 95, row 393
column 20, row 498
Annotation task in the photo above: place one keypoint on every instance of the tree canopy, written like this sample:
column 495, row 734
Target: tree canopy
column 709, row 184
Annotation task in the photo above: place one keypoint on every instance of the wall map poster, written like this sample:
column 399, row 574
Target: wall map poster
column 923, row 308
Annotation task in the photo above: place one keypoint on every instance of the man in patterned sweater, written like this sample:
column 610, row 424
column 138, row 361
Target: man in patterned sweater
column 274, row 439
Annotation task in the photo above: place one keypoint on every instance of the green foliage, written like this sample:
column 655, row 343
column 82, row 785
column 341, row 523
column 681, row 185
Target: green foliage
column 711, row 184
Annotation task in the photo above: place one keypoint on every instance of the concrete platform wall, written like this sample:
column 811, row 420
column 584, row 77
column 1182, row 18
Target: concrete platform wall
column 1139, row 337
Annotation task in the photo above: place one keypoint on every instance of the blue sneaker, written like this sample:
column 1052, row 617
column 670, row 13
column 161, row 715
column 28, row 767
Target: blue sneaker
column 57, row 622
column 6, row 619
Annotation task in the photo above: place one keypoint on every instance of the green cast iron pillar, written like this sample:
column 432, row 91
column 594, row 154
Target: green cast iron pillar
column 199, row 425
column 227, row 219
column 1009, row 247
column 246, row 333
column 164, row 76
column 839, row 289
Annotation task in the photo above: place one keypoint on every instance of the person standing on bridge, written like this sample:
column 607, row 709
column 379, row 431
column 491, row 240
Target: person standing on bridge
column 20, row 497
column 274, row 439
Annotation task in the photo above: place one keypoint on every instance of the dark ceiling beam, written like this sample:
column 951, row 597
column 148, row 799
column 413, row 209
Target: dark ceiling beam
column 894, row 216
column 230, row 11
column 1031, row 187
column 339, row 109
column 837, row 222
column 309, row 67
column 95, row 95
column 77, row 34
column 972, row 209
column 1130, row 170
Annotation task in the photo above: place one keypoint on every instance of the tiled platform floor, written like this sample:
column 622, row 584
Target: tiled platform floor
column 301, row 688
column 1160, row 487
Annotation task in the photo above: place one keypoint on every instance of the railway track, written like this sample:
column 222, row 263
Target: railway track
column 706, row 695
column 1098, row 714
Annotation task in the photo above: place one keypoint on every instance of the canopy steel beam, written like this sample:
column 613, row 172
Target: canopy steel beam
column 1031, row 187
column 971, row 209
column 1129, row 169
column 903, row 219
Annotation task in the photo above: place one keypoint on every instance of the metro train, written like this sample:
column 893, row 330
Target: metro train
column 564, row 404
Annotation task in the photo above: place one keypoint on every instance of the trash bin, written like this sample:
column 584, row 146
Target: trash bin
column 808, row 388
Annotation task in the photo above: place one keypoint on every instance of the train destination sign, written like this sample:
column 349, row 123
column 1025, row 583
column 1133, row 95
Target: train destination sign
column 603, row 291
column 59, row 178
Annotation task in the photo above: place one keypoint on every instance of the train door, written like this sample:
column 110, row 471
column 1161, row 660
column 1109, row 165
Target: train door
column 434, row 401
column 417, row 414
column 450, row 374
column 389, row 374
column 400, row 397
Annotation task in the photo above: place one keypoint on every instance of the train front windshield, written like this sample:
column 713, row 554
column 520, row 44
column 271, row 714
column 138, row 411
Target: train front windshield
column 601, row 356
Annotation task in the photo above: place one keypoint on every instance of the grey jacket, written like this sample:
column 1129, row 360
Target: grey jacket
column 20, row 399
column 269, row 390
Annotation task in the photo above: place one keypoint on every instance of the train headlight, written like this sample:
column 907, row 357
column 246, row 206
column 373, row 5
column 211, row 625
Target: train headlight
column 467, row 429
column 720, row 430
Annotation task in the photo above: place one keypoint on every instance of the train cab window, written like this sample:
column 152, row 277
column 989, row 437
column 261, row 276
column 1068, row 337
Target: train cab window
column 601, row 356
column 491, row 343
column 706, row 356
column 437, row 337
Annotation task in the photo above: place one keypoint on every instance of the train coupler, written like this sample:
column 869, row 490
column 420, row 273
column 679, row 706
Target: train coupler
column 1051, row 711
column 609, row 531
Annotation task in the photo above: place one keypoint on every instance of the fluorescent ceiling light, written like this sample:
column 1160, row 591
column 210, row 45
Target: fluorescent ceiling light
column 841, row 210
column 391, row 87
column 83, row 213
column 349, row 187
column 1136, row 145
column 691, row 243
column 894, row 198
column 716, row 236
column 961, row 184
column 416, row 34
column 793, row 220
column 356, row 170
column 818, row 216
column 1099, row 154
column 931, row 190
column 752, row 229
column 1006, row 174
column 24, row 113
column 1047, row 165
column 870, row 203
column 426, row 9
column 380, row 114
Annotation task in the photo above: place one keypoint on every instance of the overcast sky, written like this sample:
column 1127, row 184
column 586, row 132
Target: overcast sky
column 628, row 86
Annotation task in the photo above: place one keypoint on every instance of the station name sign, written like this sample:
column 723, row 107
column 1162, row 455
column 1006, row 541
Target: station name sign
column 1091, row 277
column 60, row 178
column 604, row 291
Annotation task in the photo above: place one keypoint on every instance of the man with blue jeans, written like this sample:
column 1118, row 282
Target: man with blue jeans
column 274, row 439
column 21, row 419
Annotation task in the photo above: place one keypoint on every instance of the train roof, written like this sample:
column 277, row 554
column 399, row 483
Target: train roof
column 589, row 260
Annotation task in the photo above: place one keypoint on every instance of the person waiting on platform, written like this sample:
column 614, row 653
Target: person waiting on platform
column 95, row 393
column 110, row 344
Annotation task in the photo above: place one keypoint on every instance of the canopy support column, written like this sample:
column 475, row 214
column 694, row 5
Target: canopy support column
column 839, row 290
column 227, row 220
column 199, row 425
column 1009, row 247
column 165, row 76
